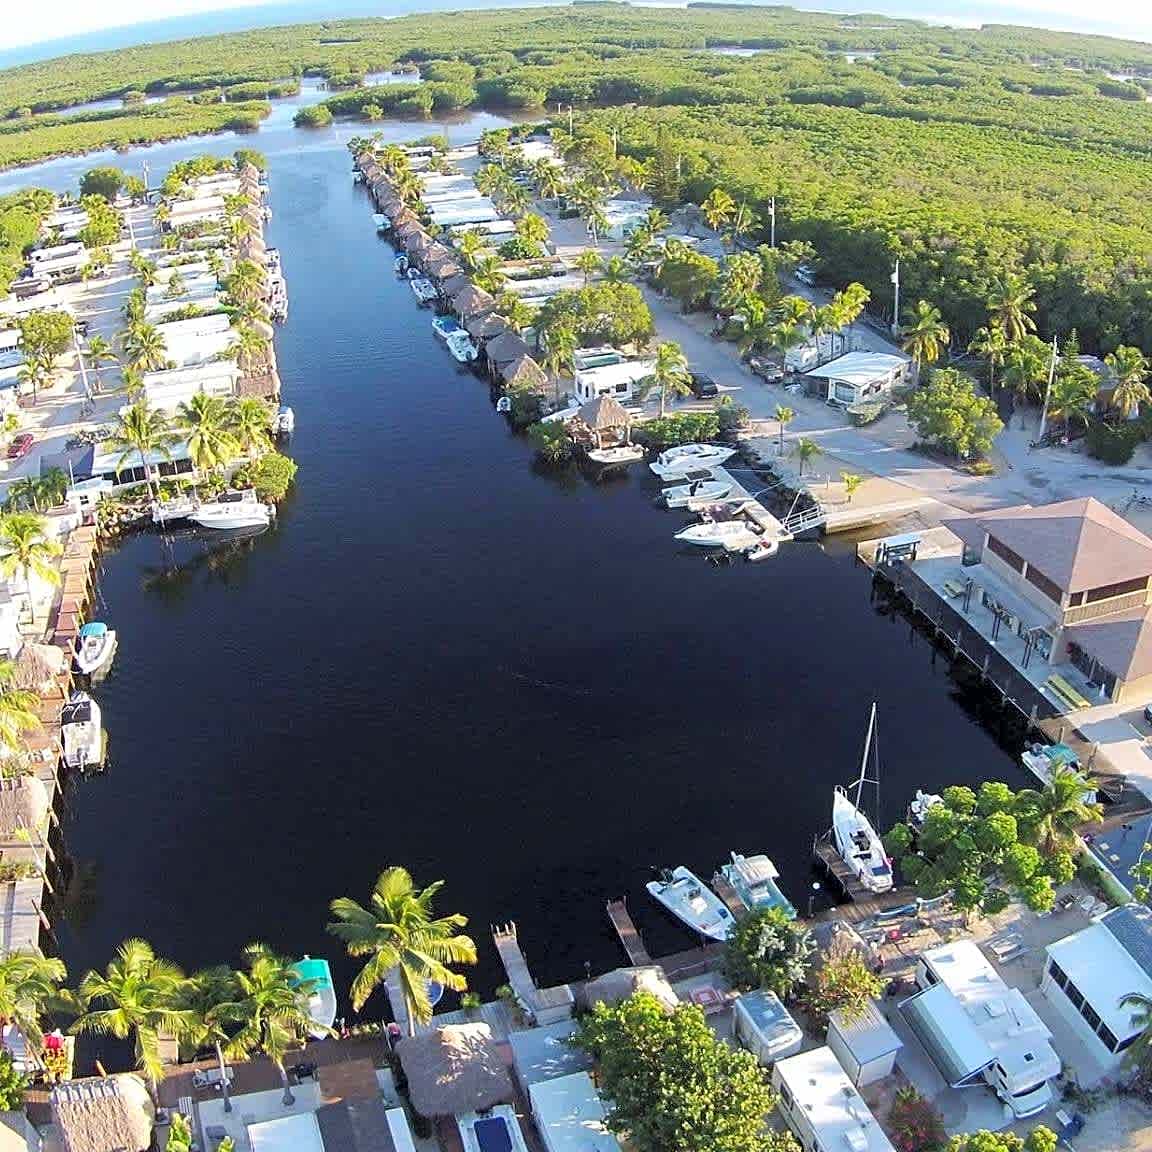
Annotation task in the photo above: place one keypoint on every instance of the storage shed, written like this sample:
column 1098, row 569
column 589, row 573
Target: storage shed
column 865, row 1044
column 765, row 1027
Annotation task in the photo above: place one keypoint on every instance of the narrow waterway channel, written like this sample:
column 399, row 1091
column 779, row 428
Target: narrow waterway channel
column 443, row 658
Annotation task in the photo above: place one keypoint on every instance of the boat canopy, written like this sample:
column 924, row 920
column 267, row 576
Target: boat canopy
column 754, row 870
column 316, row 971
column 93, row 629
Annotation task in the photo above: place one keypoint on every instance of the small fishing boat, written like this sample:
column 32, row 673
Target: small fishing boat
column 856, row 841
column 423, row 289
column 763, row 548
column 753, row 879
column 383, row 224
column 81, row 732
column 685, row 895
column 284, row 422
column 1044, row 760
column 674, row 462
column 684, row 495
column 446, row 326
column 400, row 264
column 232, row 510
column 504, row 404
column 95, row 646
column 730, row 534
column 621, row 454
column 462, row 348
column 919, row 808
column 321, row 994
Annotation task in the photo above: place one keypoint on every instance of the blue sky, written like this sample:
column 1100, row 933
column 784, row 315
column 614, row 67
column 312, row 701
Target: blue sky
column 29, row 23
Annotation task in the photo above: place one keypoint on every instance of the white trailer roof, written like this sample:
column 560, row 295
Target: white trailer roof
column 570, row 1115
column 475, row 211
column 859, row 368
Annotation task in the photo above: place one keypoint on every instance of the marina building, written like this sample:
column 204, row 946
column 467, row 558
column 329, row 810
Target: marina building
column 1088, row 974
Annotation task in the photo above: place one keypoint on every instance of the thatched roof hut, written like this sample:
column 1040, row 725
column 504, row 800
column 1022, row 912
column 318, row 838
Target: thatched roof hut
column 486, row 325
column 618, row 985
column 23, row 804
column 454, row 285
column 439, row 262
column 454, row 1069
column 418, row 242
column 254, row 216
column 604, row 414
column 102, row 1115
column 37, row 666
column 249, row 171
column 471, row 301
column 253, row 248
column 525, row 374
column 505, row 348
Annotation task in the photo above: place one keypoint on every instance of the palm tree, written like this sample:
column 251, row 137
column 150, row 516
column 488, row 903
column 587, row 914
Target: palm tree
column 637, row 245
column 589, row 263
column 1130, row 367
column 927, row 336
column 270, row 1009
column 1025, row 365
column 246, row 282
column 990, row 343
column 17, row 708
column 616, row 270
column 718, row 208
column 28, row 550
column 1073, row 393
column 550, row 182
column 144, row 346
column 249, row 348
column 851, row 482
column 655, row 221
column 401, row 937
column 207, row 997
column 25, row 493
column 142, row 996
column 240, row 229
column 1139, row 1052
column 142, row 431
column 784, row 417
column 518, row 313
column 35, row 373
column 469, row 246
column 845, row 307
column 1054, row 815
column 205, row 420
column 559, row 354
column 805, row 450
column 134, row 306
column 739, row 282
column 743, row 221
column 100, row 352
column 488, row 276
column 250, row 424
column 533, row 230
column 670, row 375
column 1010, row 307
column 29, row 985
column 53, row 487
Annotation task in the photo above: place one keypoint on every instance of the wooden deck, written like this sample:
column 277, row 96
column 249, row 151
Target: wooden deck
column 729, row 895
column 630, row 938
column 828, row 860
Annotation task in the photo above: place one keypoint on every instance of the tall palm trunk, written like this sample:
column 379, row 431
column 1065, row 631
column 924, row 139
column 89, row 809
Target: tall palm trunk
column 663, row 398
column 223, row 1078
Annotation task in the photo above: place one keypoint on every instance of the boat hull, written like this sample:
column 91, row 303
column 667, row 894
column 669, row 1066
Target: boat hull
column 225, row 521
column 858, row 845
column 693, row 904
column 628, row 455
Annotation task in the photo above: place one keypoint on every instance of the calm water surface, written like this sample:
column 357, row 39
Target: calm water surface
column 514, row 682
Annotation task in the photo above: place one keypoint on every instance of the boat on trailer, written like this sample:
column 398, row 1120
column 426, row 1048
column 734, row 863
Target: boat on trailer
column 857, row 843
column 693, row 903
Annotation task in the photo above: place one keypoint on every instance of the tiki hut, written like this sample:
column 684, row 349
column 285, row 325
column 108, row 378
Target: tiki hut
column 23, row 805
column 524, row 374
column 100, row 1115
column 418, row 243
column 454, row 1069
column 404, row 215
column 486, row 325
column 622, row 983
column 602, row 421
column 437, row 261
column 454, row 285
column 254, row 216
column 253, row 248
column 407, row 230
column 506, row 348
column 37, row 667
column 471, row 302
column 250, row 172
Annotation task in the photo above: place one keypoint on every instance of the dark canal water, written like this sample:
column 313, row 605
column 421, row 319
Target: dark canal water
column 514, row 682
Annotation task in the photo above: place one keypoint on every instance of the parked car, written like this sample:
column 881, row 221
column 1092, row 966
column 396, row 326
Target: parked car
column 20, row 446
column 703, row 386
column 770, row 371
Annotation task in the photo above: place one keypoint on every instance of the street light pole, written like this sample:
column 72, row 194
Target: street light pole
column 896, row 298
column 772, row 218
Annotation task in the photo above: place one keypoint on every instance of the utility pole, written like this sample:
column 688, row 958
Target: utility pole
column 1048, row 390
column 896, row 298
column 772, row 219
column 571, row 128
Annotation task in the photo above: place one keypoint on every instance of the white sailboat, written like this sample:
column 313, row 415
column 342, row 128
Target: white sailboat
column 687, row 897
column 856, row 841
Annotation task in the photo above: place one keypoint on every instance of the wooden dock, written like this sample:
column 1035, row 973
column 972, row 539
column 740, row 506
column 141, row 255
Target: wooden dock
column 630, row 938
column 828, row 859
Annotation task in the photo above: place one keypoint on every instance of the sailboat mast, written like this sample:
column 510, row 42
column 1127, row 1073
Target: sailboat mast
column 864, row 758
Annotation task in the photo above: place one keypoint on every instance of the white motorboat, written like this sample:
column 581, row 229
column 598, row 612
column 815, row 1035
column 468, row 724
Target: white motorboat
column 81, row 732
column 95, row 647
column 381, row 221
column 423, row 289
column 919, row 808
column 462, row 348
column 284, row 422
column 232, row 510
column 763, row 548
column 753, row 879
column 1044, row 760
column 674, row 462
column 856, row 841
column 446, row 326
column 686, row 896
column 400, row 264
column 167, row 511
column 730, row 534
column 702, row 491
column 504, row 404
column 316, row 976
column 621, row 454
